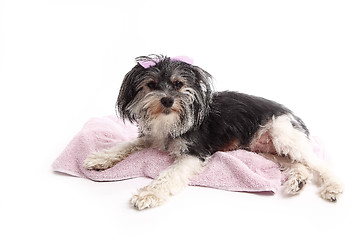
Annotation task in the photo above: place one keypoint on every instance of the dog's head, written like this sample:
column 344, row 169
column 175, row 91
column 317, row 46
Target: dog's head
column 168, row 95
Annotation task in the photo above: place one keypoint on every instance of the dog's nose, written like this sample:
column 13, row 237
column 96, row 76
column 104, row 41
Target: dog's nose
column 167, row 101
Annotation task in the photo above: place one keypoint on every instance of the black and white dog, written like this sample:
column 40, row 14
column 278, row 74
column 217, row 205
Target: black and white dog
column 176, row 110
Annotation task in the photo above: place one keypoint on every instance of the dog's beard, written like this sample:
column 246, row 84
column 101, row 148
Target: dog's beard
column 164, row 125
column 158, row 121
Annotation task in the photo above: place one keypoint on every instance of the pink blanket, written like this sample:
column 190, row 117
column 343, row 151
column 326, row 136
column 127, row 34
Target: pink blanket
column 234, row 171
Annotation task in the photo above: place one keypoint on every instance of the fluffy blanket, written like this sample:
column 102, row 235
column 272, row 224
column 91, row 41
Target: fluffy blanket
column 233, row 171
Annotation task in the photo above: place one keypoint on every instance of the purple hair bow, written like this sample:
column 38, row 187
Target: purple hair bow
column 150, row 63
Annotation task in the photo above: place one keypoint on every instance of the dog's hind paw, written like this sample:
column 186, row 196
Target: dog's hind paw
column 331, row 191
column 294, row 185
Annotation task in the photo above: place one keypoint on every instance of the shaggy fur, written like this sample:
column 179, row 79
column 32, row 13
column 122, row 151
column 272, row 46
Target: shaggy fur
column 176, row 110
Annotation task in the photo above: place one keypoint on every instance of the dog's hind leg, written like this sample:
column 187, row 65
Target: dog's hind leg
column 294, row 143
column 297, row 174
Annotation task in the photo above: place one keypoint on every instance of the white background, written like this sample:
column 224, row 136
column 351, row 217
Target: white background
column 62, row 62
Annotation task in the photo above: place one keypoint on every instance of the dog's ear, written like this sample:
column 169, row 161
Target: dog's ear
column 205, row 80
column 128, row 92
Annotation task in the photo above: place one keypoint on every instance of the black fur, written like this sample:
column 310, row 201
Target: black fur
column 161, row 73
column 208, row 121
column 232, row 116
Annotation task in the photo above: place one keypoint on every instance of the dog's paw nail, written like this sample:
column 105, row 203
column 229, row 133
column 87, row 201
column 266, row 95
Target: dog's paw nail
column 301, row 184
column 333, row 199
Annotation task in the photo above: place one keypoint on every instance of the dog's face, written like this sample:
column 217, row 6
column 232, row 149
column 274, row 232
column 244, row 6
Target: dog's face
column 170, row 96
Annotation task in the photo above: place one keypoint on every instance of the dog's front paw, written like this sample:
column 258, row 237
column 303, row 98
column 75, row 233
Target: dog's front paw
column 100, row 161
column 146, row 199
column 331, row 191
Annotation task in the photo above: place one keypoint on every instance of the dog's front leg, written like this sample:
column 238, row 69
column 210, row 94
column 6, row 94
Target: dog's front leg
column 109, row 157
column 169, row 182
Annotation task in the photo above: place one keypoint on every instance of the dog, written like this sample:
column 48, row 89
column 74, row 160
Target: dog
column 172, row 102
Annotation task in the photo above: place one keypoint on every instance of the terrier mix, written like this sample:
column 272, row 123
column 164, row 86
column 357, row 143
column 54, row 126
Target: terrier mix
column 176, row 110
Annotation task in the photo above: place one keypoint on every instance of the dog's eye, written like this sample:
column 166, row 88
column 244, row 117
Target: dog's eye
column 178, row 85
column 151, row 85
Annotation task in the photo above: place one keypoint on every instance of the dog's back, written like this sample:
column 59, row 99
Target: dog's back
column 233, row 121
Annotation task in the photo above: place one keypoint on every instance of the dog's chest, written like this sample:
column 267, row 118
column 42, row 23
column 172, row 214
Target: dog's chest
column 175, row 146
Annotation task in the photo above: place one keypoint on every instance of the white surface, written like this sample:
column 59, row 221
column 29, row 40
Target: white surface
column 62, row 62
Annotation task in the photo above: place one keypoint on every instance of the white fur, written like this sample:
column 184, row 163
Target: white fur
column 163, row 125
column 109, row 157
column 170, row 181
column 295, row 173
column 293, row 143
